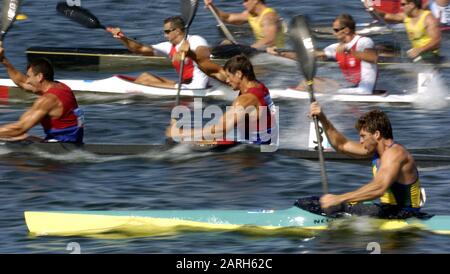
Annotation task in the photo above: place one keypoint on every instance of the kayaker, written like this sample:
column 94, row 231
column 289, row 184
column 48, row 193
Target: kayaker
column 422, row 29
column 56, row 108
column 396, row 177
column 266, row 25
column 355, row 54
column 253, row 99
column 193, row 77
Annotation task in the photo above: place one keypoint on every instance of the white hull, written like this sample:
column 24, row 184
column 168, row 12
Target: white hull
column 118, row 85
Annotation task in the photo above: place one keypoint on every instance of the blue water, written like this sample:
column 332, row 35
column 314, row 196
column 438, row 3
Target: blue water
column 171, row 180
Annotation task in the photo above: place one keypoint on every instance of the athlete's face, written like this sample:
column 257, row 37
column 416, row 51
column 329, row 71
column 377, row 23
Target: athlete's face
column 34, row 80
column 250, row 5
column 339, row 31
column 170, row 33
column 368, row 140
column 234, row 79
column 408, row 7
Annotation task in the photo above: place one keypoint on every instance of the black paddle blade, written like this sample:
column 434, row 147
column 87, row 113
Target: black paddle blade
column 188, row 11
column 80, row 15
column 304, row 46
column 9, row 12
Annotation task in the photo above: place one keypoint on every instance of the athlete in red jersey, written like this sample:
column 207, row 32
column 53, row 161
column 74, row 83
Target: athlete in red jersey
column 56, row 108
column 254, row 99
column 193, row 77
column 355, row 55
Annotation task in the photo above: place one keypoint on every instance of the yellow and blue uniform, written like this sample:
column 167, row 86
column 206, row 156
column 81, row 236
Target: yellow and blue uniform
column 256, row 25
column 399, row 195
column 417, row 33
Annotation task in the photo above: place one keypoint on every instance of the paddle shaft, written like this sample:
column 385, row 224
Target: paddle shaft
column 305, row 50
column 180, row 78
column 222, row 25
column 188, row 12
column 323, row 173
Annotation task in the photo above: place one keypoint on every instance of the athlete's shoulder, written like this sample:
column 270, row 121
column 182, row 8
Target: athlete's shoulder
column 270, row 13
column 396, row 153
column 46, row 102
column 197, row 40
column 431, row 19
column 58, row 86
column 365, row 42
column 245, row 100
column 365, row 39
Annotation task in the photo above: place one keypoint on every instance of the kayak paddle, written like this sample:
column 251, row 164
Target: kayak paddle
column 80, row 15
column 305, row 50
column 222, row 26
column 9, row 12
column 188, row 11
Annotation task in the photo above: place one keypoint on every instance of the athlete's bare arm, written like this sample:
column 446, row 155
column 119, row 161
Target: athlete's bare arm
column 368, row 55
column 217, row 131
column 287, row 54
column 390, row 170
column 232, row 117
column 339, row 142
column 433, row 30
column 201, row 57
column 132, row 45
column 231, row 18
column 43, row 105
column 18, row 77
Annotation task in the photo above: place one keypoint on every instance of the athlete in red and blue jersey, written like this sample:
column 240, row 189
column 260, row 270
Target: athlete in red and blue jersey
column 252, row 116
column 56, row 108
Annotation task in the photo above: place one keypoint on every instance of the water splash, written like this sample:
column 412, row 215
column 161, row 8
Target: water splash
column 432, row 92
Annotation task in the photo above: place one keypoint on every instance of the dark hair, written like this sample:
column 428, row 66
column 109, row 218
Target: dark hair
column 375, row 120
column 177, row 22
column 242, row 63
column 417, row 3
column 346, row 20
column 42, row 65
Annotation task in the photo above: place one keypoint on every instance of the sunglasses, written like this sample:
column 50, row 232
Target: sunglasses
column 167, row 31
column 338, row 30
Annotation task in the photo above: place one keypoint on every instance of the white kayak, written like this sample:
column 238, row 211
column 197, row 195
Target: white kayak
column 357, row 98
column 119, row 84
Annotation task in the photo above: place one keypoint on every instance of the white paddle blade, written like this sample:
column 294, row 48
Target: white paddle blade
column 304, row 46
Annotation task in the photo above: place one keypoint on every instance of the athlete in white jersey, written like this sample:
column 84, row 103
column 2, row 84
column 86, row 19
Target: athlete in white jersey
column 361, row 74
column 174, row 32
column 355, row 56
column 199, row 79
